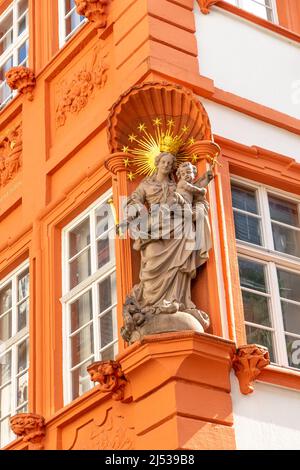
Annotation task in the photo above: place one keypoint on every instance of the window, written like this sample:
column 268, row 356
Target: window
column 89, row 295
column 69, row 20
column 14, row 351
column 267, row 228
column 263, row 8
column 14, row 40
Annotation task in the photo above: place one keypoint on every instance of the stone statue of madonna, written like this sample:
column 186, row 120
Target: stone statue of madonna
column 170, row 256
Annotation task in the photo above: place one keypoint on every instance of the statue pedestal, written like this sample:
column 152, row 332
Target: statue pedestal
column 180, row 390
column 167, row 323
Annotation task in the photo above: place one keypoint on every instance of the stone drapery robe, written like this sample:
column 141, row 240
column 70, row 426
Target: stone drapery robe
column 168, row 261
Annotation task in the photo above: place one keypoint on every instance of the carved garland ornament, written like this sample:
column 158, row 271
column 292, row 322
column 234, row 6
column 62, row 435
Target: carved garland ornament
column 31, row 428
column 96, row 11
column 248, row 363
column 74, row 96
column 21, row 79
column 110, row 377
column 10, row 154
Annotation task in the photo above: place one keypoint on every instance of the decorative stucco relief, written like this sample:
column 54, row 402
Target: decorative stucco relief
column 96, row 11
column 205, row 5
column 22, row 79
column 114, row 435
column 248, row 363
column 31, row 428
column 10, row 154
column 74, row 94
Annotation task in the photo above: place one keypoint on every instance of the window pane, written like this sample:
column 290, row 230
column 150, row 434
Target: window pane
column 258, row 8
column 293, row 351
column 107, row 292
column 80, row 268
column 22, row 389
column 22, row 7
column 23, row 356
column 23, row 314
column 5, row 401
column 5, row 299
column 82, row 345
column 244, row 199
column 286, row 240
column 6, row 33
column 106, row 329
column 72, row 22
column 23, row 53
column 79, row 238
column 5, row 368
column 69, row 5
column 283, row 211
column 247, row 228
column 108, row 354
column 81, row 311
column 23, row 285
column 5, row 432
column 81, row 382
column 252, row 275
column 291, row 317
column 256, row 309
column 261, row 337
column 289, row 285
column 104, row 219
column 6, row 327
column 104, row 246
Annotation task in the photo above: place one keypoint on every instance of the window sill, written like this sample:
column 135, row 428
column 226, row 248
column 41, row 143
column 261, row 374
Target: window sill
column 276, row 28
column 281, row 377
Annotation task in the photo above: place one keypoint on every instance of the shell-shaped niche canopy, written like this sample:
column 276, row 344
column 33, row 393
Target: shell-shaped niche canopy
column 156, row 102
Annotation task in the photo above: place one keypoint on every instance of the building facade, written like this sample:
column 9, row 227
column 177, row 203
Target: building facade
column 73, row 75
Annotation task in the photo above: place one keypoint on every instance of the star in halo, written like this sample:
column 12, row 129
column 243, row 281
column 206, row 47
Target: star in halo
column 131, row 176
column 171, row 123
column 142, row 127
column 126, row 162
column 185, row 129
column 132, row 137
column 195, row 158
column 125, row 149
column 157, row 122
column 191, row 141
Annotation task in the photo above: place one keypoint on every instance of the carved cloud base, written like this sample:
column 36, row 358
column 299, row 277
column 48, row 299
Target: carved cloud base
column 166, row 323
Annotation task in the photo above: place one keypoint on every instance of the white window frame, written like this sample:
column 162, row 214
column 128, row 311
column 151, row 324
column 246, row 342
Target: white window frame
column 266, row 255
column 90, row 283
column 272, row 8
column 63, row 36
column 13, row 343
column 12, row 50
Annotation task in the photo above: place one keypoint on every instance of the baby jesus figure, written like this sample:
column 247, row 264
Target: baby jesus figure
column 192, row 191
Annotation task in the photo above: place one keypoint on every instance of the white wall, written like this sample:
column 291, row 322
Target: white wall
column 269, row 418
column 248, row 60
column 250, row 131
